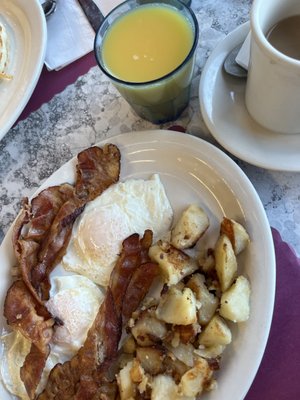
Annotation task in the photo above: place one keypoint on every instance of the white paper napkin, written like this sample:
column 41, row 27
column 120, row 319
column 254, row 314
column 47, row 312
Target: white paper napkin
column 70, row 36
column 107, row 5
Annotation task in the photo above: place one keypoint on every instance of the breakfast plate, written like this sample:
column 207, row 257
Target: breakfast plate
column 194, row 171
column 26, row 30
column 225, row 114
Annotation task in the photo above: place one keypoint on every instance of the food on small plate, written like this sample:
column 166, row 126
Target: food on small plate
column 111, row 298
column 4, row 53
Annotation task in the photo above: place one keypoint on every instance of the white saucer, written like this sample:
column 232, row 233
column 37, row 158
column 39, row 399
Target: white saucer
column 225, row 114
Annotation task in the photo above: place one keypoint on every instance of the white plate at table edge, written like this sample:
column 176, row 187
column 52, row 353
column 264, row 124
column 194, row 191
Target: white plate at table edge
column 204, row 174
column 224, row 112
column 26, row 25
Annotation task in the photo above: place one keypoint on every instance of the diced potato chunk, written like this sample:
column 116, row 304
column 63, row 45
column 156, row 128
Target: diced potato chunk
column 235, row 302
column 137, row 372
column 226, row 264
column 209, row 302
column 190, row 227
column 126, row 386
column 151, row 359
column 177, row 307
column 215, row 333
column 206, row 260
column 173, row 263
column 184, row 353
column 195, row 379
column 164, row 388
column 129, row 345
column 210, row 352
column 148, row 330
column 186, row 333
column 236, row 233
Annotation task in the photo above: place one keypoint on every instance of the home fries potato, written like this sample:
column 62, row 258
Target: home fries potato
column 175, row 340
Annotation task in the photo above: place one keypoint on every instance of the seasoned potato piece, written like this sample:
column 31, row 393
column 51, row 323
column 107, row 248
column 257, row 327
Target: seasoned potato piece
column 215, row 333
column 195, row 379
column 209, row 302
column 137, row 372
column 173, row 263
column 124, row 359
column 206, row 260
column 236, row 233
column 177, row 307
column 148, row 330
column 190, row 227
column 164, row 388
column 129, row 345
column 151, row 359
column 210, row 352
column 226, row 264
column 183, row 353
column 127, row 388
column 235, row 302
column 174, row 367
column 187, row 333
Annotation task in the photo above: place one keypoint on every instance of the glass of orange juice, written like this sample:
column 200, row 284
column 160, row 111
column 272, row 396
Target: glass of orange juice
column 147, row 49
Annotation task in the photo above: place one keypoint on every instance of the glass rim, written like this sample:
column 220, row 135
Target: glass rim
column 156, row 80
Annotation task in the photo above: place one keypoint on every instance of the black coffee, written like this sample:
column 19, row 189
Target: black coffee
column 285, row 36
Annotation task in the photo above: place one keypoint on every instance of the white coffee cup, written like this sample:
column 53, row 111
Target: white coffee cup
column 273, row 83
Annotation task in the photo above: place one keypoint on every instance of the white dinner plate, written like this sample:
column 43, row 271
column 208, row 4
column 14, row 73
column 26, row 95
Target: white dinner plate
column 225, row 114
column 194, row 171
column 27, row 32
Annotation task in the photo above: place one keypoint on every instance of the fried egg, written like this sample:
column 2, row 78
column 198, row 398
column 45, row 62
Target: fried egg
column 14, row 349
column 123, row 209
column 75, row 300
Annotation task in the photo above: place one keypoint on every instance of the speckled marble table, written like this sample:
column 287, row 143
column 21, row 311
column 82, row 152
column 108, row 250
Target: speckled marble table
column 91, row 109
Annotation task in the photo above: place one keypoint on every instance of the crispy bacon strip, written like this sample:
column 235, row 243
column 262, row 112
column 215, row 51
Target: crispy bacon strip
column 44, row 208
column 97, row 169
column 54, row 246
column 88, row 373
column 138, row 288
column 32, row 229
column 33, row 367
column 135, row 253
column 26, row 315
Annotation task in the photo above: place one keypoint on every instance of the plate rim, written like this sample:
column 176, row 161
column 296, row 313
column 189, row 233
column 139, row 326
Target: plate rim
column 235, row 37
column 156, row 136
column 35, row 15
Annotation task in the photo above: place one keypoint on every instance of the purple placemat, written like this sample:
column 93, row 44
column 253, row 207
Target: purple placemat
column 52, row 82
column 278, row 377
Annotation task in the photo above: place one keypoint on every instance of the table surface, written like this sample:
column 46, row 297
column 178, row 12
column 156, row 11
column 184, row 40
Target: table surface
column 72, row 113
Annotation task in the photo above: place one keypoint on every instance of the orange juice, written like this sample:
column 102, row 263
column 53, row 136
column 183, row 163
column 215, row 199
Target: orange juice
column 147, row 43
column 147, row 49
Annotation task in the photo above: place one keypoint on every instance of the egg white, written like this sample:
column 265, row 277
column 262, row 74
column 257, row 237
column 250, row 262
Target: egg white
column 123, row 209
column 75, row 300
